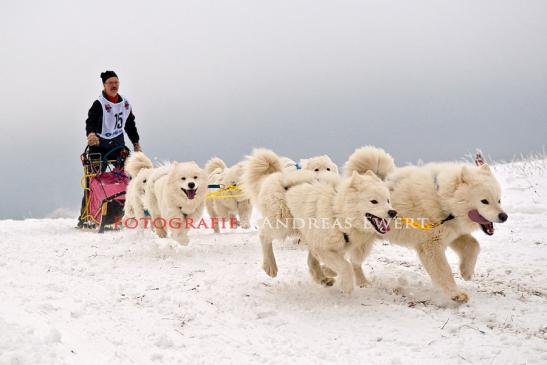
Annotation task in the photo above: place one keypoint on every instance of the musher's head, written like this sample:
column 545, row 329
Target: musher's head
column 111, row 83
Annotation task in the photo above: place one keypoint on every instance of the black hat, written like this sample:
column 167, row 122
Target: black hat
column 107, row 74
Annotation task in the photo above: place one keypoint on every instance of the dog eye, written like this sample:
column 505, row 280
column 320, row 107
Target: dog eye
column 484, row 201
column 144, row 181
column 328, row 168
column 316, row 170
column 195, row 177
column 499, row 201
column 374, row 201
column 388, row 201
column 183, row 178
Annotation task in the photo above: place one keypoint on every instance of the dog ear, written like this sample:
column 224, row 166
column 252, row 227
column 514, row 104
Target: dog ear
column 354, row 180
column 371, row 173
column 465, row 175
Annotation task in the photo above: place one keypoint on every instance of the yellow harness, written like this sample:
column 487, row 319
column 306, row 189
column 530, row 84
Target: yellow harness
column 220, row 193
column 425, row 227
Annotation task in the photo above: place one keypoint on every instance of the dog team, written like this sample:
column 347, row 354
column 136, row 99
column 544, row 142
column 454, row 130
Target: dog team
column 338, row 217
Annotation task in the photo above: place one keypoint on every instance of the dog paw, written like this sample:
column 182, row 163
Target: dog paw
column 466, row 272
column 184, row 241
column 461, row 297
column 362, row 282
column 161, row 233
column 328, row 281
column 245, row 225
column 329, row 272
column 270, row 268
column 346, row 286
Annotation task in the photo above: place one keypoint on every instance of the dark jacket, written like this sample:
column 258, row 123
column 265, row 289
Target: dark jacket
column 94, row 123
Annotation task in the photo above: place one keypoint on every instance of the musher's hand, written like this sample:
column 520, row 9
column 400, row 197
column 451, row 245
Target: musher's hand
column 92, row 139
column 137, row 147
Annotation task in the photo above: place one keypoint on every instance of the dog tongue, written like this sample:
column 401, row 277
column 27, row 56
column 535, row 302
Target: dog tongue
column 191, row 194
column 475, row 216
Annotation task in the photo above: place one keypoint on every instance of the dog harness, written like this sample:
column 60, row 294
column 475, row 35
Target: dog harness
column 223, row 189
column 426, row 227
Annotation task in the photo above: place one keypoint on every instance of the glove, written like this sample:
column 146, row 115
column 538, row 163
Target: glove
column 137, row 147
column 92, row 139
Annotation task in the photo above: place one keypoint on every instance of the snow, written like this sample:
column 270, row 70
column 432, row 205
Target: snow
column 71, row 297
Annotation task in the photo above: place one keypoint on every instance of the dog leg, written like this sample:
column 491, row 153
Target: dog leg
column 467, row 248
column 433, row 257
column 181, row 236
column 177, row 225
column 158, row 225
column 210, row 205
column 222, row 214
column 139, row 216
column 344, row 269
column 244, row 210
column 128, row 211
column 268, row 264
column 317, row 272
column 213, row 214
column 357, row 256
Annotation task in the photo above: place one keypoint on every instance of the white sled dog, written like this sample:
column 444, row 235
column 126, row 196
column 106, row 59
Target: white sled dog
column 319, row 164
column 139, row 167
column 175, row 198
column 334, row 216
column 226, row 207
column 440, row 204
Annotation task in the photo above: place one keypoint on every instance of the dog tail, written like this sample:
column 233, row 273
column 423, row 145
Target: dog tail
column 370, row 158
column 137, row 161
column 215, row 165
column 261, row 163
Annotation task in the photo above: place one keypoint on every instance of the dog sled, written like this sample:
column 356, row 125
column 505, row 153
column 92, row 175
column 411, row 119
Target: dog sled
column 104, row 183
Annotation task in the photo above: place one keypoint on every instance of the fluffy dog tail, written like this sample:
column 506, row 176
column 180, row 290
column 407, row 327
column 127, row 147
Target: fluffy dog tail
column 137, row 161
column 370, row 158
column 214, row 165
column 260, row 164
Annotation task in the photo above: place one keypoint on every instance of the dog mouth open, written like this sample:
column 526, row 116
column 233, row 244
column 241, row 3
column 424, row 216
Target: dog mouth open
column 190, row 193
column 486, row 225
column 380, row 225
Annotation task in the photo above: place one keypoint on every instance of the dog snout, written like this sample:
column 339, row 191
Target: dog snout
column 502, row 217
column 392, row 213
column 191, row 185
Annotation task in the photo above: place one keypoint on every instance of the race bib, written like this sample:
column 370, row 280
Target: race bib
column 114, row 117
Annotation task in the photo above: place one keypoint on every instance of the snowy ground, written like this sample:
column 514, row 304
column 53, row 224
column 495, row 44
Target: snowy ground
column 83, row 298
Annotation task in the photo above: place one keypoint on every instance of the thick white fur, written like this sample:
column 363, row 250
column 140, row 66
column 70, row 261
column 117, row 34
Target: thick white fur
column 319, row 164
column 136, row 162
column 228, row 208
column 166, row 199
column 282, row 196
column 139, row 167
column 433, row 192
column 337, row 209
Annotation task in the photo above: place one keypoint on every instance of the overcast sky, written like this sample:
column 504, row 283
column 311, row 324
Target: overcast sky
column 422, row 79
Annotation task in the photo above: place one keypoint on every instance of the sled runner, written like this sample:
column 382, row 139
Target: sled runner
column 104, row 183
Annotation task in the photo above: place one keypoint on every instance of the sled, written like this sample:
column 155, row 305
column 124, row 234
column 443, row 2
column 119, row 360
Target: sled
column 104, row 183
